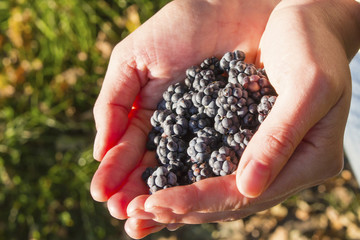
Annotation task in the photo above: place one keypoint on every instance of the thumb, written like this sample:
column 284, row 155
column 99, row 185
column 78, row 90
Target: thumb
column 301, row 69
column 274, row 143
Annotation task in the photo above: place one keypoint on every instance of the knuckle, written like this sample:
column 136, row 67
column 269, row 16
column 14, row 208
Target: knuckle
column 330, row 88
column 280, row 143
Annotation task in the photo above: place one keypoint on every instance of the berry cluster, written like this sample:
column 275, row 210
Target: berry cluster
column 203, row 124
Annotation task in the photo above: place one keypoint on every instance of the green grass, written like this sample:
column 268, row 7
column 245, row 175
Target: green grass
column 54, row 55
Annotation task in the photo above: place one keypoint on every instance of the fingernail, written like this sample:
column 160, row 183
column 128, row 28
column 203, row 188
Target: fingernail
column 141, row 214
column 253, row 179
column 96, row 153
column 174, row 226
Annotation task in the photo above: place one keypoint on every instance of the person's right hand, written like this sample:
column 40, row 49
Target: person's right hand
column 143, row 65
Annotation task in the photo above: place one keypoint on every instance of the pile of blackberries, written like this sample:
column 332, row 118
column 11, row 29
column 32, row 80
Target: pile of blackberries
column 202, row 125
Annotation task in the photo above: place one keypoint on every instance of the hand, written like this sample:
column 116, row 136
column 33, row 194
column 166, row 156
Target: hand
column 305, row 49
column 142, row 66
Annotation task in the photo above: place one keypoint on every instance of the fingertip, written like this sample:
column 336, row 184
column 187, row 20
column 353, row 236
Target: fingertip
column 117, row 205
column 149, row 204
column 97, row 193
column 159, row 201
column 111, row 124
column 98, row 152
column 136, row 204
column 99, row 189
column 174, row 226
column 138, row 228
column 253, row 179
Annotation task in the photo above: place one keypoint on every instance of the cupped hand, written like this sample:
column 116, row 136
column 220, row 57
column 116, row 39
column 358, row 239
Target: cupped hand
column 305, row 49
column 143, row 65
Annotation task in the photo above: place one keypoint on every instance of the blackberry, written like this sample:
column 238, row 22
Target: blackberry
column 147, row 173
column 200, row 171
column 161, row 105
column 250, row 70
column 247, row 135
column 175, row 125
column 180, row 169
column 199, row 121
column 213, row 64
column 250, row 120
column 154, row 137
column 202, row 79
column 213, row 135
column 209, row 132
column 171, row 149
column 254, row 80
column 192, row 71
column 223, row 161
column 173, row 94
column 185, row 106
column 205, row 99
column 257, row 85
column 238, row 141
column 234, row 98
column 199, row 149
column 158, row 118
column 237, row 71
column 264, row 107
column 190, row 75
column 230, row 56
column 161, row 178
column 227, row 122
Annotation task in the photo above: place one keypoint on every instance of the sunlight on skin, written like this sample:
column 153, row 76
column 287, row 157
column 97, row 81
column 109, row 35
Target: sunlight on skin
column 299, row 139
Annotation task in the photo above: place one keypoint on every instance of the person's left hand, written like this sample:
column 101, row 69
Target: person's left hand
column 311, row 111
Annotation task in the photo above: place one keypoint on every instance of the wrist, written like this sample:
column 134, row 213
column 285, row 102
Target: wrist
column 340, row 17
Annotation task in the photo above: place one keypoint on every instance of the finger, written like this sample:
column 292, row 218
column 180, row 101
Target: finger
column 122, row 83
column 139, row 228
column 121, row 160
column 135, row 208
column 141, row 214
column 284, row 186
column 134, row 186
column 174, row 226
column 173, row 220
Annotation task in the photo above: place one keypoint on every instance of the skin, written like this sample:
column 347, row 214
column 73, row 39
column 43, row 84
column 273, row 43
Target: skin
column 299, row 145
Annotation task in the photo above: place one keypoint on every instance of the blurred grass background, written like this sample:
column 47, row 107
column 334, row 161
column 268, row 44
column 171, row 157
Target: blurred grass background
column 54, row 56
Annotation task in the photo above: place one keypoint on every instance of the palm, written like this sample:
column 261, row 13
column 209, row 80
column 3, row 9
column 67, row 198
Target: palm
column 141, row 68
